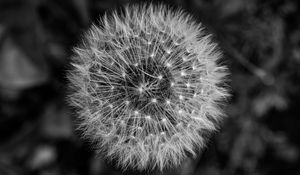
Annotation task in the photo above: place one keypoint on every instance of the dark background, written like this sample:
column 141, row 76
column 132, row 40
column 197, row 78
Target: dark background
column 261, row 43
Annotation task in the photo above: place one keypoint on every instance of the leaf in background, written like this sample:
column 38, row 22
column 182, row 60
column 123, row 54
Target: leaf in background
column 283, row 148
column 56, row 122
column 16, row 69
column 43, row 155
column 263, row 103
column 232, row 7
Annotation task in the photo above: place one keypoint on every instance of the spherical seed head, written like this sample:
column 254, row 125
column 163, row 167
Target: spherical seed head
column 147, row 86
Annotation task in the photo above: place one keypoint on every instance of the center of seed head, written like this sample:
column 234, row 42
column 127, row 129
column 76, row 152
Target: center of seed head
column 142, row 88
column 147, row 84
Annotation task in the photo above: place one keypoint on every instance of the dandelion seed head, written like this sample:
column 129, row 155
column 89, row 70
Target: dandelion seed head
column 147, row 86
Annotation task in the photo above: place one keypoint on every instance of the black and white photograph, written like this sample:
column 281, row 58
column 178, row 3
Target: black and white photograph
column 160, row 87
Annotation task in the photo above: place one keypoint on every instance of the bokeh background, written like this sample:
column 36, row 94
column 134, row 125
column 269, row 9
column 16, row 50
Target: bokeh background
column 261, row 44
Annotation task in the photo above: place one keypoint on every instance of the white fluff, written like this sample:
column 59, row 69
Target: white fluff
column 146, row 85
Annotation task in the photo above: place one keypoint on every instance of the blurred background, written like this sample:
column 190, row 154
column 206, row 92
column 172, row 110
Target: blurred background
column 261, row 44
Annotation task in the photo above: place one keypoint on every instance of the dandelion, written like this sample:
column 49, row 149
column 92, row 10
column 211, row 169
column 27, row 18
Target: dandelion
column 147, row 86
